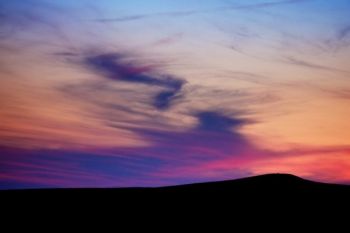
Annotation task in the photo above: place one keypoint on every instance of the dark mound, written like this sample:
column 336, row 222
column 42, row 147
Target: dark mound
column 273, row 184
column 267, row 196
column 267, row 191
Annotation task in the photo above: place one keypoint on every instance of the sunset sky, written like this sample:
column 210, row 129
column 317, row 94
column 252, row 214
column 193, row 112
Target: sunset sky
column 114, row 93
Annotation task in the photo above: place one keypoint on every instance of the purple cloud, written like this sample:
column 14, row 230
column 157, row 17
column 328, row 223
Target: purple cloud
column 153, row 165
column 114, row 67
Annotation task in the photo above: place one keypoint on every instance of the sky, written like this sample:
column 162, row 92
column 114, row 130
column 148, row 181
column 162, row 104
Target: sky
column 164, row 92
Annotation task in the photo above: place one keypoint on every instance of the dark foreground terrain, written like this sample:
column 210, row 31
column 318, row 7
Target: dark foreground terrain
column 272, row 199
column 274, row 193
column 271, row 185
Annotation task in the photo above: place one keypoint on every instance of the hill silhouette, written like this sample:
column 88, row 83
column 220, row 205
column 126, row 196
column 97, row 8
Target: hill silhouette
column 278, row 191
column 263, row 184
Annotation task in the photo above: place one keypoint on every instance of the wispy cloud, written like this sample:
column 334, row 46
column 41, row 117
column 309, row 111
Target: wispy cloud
column 115, row 67
column 27, row 168
column 261, row 5
column 298, row 62
column 213, row 149
column 145, row 16
column 194, row 12
column 341, row 40
column 215, row 136
column 122, row 19
column 79, row 112
column 168, row 39
column 343, row 33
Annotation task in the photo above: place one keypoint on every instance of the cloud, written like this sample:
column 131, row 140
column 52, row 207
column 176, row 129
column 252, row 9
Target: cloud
column 194, row 12
column 298, row 62
column 122, row 19
column 185, row 153
column 213, row 149
column 338, row 93
column 29, row 168
column 163, row 100
column 340, row 40
column 215, row 121
column 30, row 16
column 192, row 142
column 168, row 39
column 214, row 137
column 114, row 66
column 261, row 5
column 145, row 16
column 343, row 33
column 215, row 132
